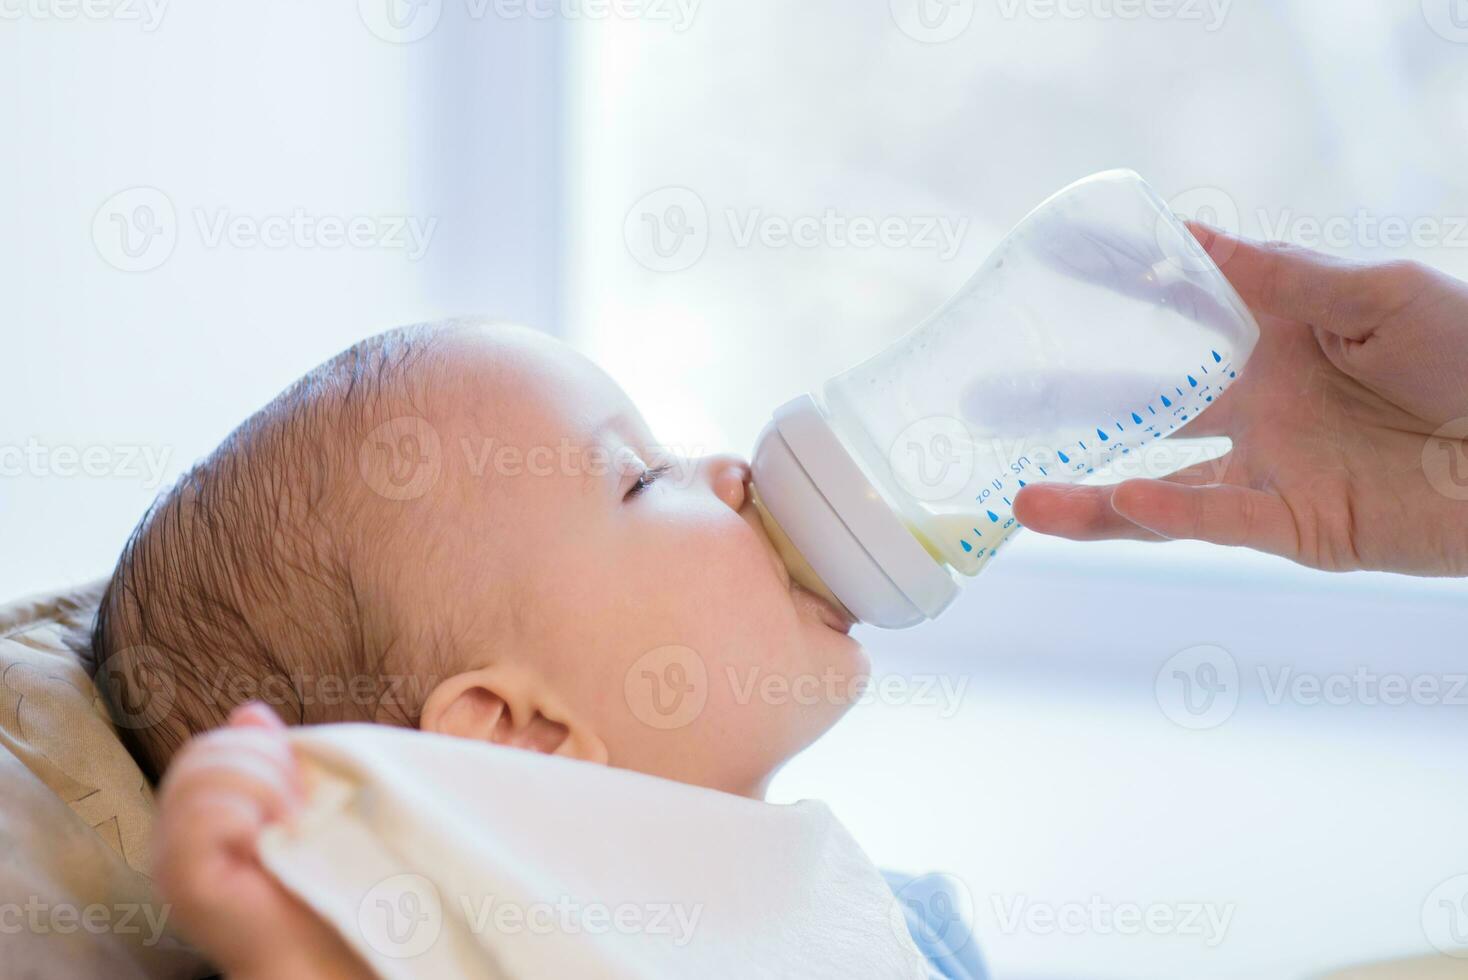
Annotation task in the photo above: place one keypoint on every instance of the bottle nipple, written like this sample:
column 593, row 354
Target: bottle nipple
column 795, row 562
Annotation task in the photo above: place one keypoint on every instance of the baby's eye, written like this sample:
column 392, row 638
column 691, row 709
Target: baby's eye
column 648, row 478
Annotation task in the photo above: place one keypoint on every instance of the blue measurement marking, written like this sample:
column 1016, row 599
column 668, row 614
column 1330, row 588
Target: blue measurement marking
column 1042, row 472
column 1081, row 444
column 1205, row 368
column 1008, row 501
column 1136, row 418
column 1179, row 392
column 1151, row 410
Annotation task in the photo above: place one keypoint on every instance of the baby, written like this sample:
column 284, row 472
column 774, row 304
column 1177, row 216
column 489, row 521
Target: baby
column 462, row 528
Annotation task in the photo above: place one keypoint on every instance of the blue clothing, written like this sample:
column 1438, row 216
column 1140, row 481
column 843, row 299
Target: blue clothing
column 937, row 912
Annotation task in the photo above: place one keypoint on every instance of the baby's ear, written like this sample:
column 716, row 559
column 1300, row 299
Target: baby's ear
column 508, row 707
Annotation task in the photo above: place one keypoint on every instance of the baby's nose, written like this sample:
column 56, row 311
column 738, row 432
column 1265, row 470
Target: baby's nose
column 729, row 475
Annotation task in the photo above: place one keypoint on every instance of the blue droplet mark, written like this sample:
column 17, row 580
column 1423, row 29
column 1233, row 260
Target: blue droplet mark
column 1091, row 469
column 1216, row 358
column 1104, row 436
column 1233, row 374
column 1184, row 418
column 1166, row 402
column 1136, row 418
column 1021, row 484
column 1192, row 381
column 1208, row 399
column 966, row 545
column 992, row 516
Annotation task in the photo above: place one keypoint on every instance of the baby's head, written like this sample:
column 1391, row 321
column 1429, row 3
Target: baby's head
column 469, row 529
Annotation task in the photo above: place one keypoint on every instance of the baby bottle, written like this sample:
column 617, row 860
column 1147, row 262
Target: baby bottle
column 1098, row 326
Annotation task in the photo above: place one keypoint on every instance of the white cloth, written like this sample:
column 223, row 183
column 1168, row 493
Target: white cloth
column 443, row 857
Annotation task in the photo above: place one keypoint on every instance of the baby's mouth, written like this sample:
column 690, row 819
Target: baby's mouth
column 821, row 607
column 805, row 600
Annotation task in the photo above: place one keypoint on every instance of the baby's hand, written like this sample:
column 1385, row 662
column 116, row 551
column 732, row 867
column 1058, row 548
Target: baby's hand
column 218, row 794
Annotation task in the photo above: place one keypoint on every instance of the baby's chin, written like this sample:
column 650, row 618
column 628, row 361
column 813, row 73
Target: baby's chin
column 834, row 651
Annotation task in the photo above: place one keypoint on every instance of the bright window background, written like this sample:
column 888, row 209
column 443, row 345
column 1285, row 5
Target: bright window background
column 241, row 115
column 1056, row 778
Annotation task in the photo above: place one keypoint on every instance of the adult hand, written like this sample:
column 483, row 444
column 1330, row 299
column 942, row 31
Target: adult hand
column 1349, row 425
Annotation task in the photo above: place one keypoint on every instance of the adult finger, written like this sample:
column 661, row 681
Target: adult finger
column 1080, row 513
column 1219, row 513
column 1339, row 296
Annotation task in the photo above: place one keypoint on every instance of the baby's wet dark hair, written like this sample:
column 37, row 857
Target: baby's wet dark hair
column 254, row 577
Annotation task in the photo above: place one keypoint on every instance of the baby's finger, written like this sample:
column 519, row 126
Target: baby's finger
column 256, row 714
column 1079, row 513
column 1220, row 513
column 261, row 768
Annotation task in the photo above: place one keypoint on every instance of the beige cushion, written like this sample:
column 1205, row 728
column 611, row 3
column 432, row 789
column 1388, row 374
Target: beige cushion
column 75, row 812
